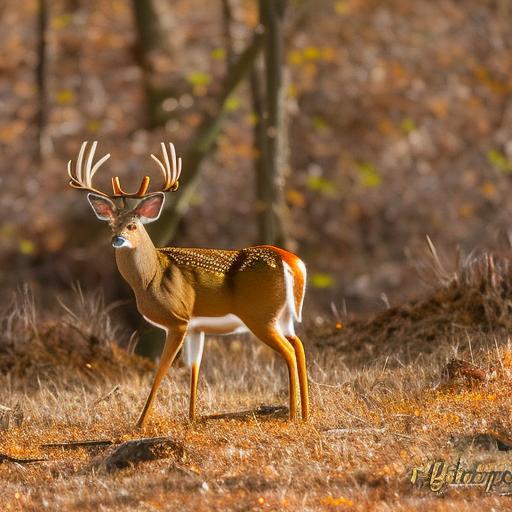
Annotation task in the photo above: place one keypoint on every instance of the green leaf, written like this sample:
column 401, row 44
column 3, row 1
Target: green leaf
column 311, row 53
column 26, row 247
column 232, row 103
column 65, row 96
column 342, row 7
column 322, row 185
column 408, row 125
column 62, row 20
column 320, row 123
column 321, row 280
column 499, row 160
column 93, row 125
column 368, row 174
column 198, row 78
column 219, row 54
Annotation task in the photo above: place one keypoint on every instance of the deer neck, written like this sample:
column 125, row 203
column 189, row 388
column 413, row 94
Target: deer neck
column 139, row 265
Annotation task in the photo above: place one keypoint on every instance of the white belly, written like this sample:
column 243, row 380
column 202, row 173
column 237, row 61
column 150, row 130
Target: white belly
column 228, row 324
column 198, row 326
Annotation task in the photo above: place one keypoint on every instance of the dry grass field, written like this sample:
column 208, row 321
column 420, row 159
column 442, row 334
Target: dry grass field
column 388, row 395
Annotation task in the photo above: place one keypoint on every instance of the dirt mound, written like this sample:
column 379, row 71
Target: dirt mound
column 474, row 301
column 79, row 343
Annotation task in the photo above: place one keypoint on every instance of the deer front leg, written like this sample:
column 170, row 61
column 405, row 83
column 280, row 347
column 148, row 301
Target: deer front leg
column 173, row 342
column 192, row 354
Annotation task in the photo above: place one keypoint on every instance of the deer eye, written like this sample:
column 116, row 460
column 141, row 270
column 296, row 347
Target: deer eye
column 131, row 227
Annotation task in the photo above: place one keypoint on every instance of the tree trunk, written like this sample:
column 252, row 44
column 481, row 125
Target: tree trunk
column 42, row 25
column 260, row 155
column 149, row 41
column 272, row 183
column 227, row 19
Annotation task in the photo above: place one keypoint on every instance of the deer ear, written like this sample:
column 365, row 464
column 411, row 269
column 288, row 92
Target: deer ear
column 103, row 207
column 150, row 208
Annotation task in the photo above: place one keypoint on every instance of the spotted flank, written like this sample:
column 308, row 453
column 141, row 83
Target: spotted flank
column 222, row 261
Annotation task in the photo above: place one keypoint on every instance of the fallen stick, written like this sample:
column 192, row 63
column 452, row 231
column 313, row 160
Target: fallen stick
column 263, row 411
column 348, row 431
column 7, row 458
column 79, row 444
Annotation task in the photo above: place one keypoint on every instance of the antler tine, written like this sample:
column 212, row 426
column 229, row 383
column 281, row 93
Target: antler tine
column 97, row 165
column 167, row 165
column 79, row 161
column 171, row 169
column 176, row 169
column 161, row 165
column 88, row 164
column 83, row 177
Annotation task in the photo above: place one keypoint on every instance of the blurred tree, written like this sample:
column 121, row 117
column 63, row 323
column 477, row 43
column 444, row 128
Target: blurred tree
column 227, row 19
column 258, row 109
column 42, row 25
column 259, row 143
column 150, row 41
column 270, row 130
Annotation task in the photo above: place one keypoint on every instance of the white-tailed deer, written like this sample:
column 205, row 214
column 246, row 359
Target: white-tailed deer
column 204, row 290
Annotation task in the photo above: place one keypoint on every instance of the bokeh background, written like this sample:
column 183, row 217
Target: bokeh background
column 398, row 124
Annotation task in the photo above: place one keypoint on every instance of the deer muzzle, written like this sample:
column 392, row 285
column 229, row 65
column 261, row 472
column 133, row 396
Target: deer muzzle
column 120, row 241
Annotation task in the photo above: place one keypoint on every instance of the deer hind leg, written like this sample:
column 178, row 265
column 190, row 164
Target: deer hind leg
column 288, row 329
column 274, row 338
column 303, row 374
column 192, row 355
column 173, row 342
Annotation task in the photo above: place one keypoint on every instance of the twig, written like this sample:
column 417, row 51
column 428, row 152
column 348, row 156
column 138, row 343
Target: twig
column 107, row 396
column 7, row 458
column 265, row 411
column 78, row 444
column 344, row 431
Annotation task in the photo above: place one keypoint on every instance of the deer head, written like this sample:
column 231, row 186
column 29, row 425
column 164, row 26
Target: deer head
column 126, row 222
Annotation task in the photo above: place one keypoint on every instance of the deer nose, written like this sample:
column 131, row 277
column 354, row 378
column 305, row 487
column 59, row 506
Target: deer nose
column 118, row 241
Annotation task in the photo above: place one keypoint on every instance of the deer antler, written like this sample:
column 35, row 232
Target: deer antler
column 119, row 192
column 83, row 177
column 171, row 170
